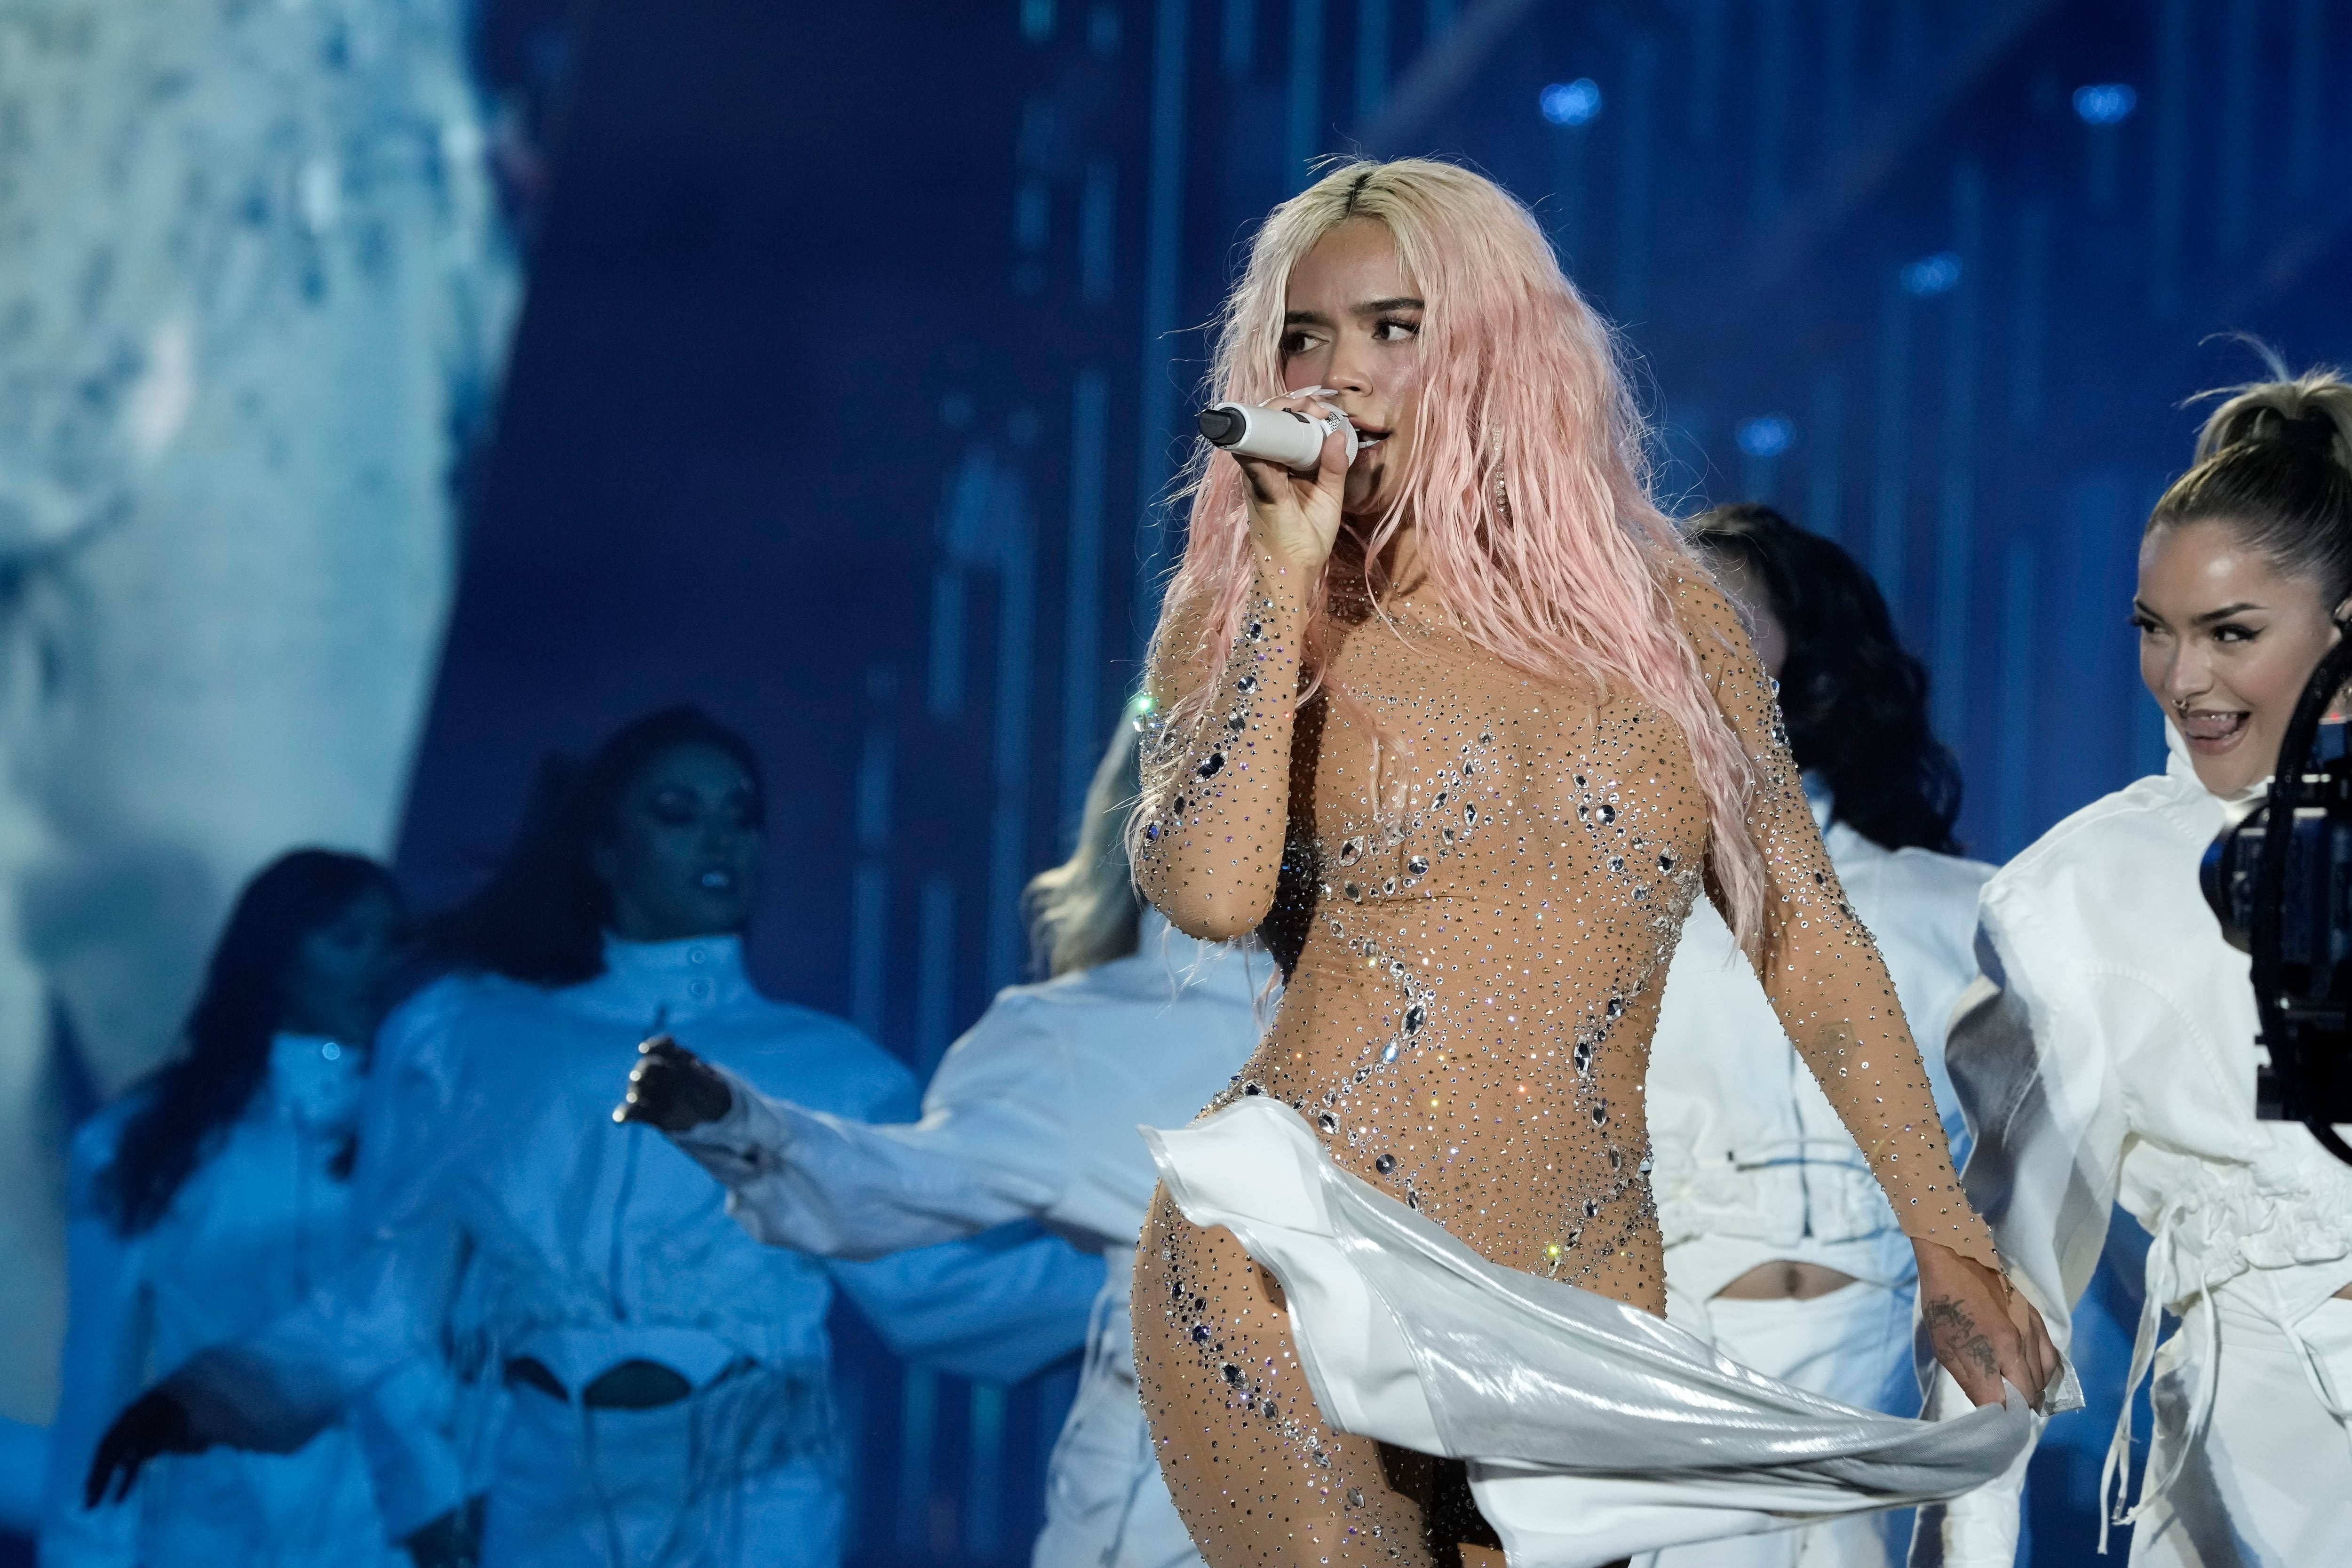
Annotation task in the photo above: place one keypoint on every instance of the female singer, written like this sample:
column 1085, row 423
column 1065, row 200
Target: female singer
column 1461, row 729
column 211, row 1199
column 1032, row 1115
column 2116, row 1064
column 1780, row 1250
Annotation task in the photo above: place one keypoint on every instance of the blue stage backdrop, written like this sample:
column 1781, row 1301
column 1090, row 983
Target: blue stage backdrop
column 862, row 342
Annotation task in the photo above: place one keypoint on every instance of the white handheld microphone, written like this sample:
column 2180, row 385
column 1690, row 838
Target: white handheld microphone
column 1281, row 436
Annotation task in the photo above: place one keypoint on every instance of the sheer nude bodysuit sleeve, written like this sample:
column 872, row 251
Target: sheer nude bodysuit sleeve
column 1818, row 964
column 1216, row 790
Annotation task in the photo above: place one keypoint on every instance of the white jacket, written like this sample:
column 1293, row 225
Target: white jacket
column 1752, row 1165
column 259, row 1221
column 509, row 1216
column 1033, row 1113
column 2110, row 1059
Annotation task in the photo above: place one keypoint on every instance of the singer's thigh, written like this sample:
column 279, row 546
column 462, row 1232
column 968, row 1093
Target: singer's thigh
column 1257, row 1475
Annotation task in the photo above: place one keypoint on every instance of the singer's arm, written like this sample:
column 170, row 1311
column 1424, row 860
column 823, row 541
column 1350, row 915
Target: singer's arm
column 1209, row 829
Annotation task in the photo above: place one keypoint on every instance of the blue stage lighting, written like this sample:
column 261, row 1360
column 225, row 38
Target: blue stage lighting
column 1766, row 436
column 1932, row 275
column 1570, row 102
column 2105, row 103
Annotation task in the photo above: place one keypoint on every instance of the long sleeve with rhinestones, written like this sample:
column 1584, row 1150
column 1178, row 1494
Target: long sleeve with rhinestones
column 1821, row 968
column 1217, row 779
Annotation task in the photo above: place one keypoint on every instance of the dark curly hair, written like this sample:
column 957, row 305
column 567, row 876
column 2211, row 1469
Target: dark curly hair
column 540, row 917
column 1856, row 702
column 225, row 1045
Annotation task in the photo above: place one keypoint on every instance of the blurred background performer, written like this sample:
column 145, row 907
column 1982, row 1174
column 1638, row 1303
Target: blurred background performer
column 1780, row 1247
column 256, row 318
column 2110, row 1057
column 211, row 1198
column 1033, row 1112
column 567, row 1316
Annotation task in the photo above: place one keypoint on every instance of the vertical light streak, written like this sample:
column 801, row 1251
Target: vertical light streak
column 1163, row 236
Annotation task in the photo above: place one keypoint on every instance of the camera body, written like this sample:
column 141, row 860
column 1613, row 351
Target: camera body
column 2279, row 878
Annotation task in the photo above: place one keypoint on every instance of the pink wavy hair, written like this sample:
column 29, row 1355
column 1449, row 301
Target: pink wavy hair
column 1528, row 485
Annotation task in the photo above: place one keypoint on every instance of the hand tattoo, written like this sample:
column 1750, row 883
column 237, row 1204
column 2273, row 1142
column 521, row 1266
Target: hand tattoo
column 1957, row 1336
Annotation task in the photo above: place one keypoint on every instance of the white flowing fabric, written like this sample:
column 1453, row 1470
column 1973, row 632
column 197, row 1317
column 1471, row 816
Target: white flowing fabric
column 2106, row 1058
column 1592, row 1430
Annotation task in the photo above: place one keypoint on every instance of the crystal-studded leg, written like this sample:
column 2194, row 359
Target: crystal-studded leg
column 1258, row 1477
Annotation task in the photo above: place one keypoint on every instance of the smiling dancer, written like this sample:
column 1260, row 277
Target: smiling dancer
column 2115, row 1062
column 1463, row 730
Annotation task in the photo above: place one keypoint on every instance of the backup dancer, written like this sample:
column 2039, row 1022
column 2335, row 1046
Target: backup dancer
column 209, row 1200
column 1462, row 730
column 1781, row 1248
column 579, row 1360
column 2113, row 1061
column 1033, row 1114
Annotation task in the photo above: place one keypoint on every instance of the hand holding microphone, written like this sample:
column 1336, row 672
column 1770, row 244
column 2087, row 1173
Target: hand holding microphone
column 1294, row 455
column 1290, row 436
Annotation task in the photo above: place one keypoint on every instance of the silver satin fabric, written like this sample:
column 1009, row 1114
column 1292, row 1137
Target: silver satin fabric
column 1593, row 1429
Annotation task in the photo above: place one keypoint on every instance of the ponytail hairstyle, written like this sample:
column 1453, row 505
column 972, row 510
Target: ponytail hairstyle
column 225, row 1045
column 1856, row 702
column 1084, row 911
column 1528, row 483
column 2274, row 464
column 541, row 915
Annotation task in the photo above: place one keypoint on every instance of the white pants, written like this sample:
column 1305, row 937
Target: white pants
column 2271, row 1485
column 1107, row 1505
column 740, row 1474
column 1853, row 1345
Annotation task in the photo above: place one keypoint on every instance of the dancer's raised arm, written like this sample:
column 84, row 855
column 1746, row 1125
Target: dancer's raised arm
column 1207, row 841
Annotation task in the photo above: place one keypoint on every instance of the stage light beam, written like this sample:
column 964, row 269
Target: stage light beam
column 2105, row 103
column 1574, row 103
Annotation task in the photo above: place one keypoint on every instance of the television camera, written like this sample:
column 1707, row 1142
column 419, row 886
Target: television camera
column 2280, row 881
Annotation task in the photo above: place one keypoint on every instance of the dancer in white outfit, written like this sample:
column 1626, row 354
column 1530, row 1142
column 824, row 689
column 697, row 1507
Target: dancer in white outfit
column 2111, row 1057
column 557, row 1310
column 1781, row 1249
column 1033, row 1113
column 211, row 1200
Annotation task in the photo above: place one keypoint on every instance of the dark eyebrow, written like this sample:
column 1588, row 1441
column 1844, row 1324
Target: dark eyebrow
column 1369, row 307
column 2223, row 614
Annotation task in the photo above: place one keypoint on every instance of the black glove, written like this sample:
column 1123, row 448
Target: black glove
column 155, row 1423
column 672, row 1088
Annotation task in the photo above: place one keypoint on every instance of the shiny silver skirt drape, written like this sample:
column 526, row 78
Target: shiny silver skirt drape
column 1592, row 1429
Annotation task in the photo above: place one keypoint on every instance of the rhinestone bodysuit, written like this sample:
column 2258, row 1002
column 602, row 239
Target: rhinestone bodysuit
column 1474, row 880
